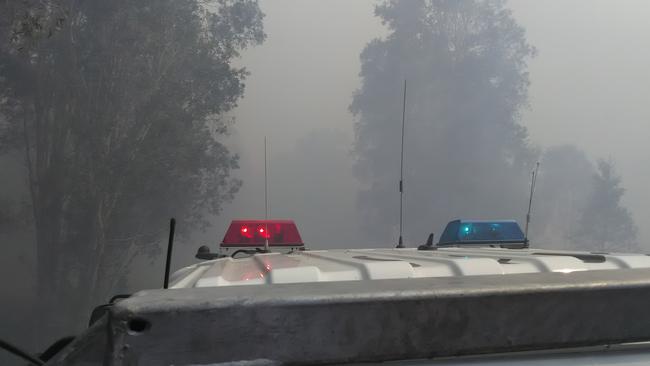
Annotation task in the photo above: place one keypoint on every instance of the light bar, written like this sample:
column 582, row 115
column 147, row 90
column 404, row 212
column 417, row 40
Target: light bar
column 482, row 232
column 255, row 232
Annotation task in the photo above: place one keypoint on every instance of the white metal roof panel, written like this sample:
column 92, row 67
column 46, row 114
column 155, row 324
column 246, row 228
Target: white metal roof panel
column 377, row 264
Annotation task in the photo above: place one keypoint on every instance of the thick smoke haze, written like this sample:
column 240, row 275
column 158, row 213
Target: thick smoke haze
column 590, row 86
column 301, row 84
column 587, row 121
column 589, row 89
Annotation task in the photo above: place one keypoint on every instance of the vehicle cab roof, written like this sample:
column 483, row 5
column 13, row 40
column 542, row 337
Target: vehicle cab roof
column 377, row 264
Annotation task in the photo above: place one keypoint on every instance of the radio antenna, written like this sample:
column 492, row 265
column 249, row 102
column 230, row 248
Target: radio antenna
column 266, row 201
column 170, row 246
column 400, row 242
column 533, row 181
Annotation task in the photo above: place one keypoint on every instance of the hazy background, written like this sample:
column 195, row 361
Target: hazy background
column 590, row 87
column 589, row 99
column 301, row 84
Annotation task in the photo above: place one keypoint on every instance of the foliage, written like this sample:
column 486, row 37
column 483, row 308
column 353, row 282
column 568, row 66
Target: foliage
column 466, row 153
column 119, row 113
column 604, row 224
column 24, row 23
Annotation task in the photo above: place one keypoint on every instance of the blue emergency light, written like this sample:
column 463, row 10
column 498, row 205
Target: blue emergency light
column 482, row 232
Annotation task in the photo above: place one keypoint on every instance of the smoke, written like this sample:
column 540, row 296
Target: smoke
column 587, row 100
column 303, row 82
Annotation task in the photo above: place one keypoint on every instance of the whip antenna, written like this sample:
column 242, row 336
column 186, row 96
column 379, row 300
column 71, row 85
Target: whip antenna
column 266, row 201
column 533, row 181
column 170, row 246
column 400, row 242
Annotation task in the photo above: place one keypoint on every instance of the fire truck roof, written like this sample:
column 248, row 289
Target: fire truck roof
column 377, row 264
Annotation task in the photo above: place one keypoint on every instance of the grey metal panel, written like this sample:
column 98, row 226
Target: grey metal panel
column 587, row 356
column 361, row 321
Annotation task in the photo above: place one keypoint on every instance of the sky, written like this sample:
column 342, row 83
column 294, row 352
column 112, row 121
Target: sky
column 589, row 87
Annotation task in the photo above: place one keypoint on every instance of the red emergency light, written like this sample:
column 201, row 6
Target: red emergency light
column 255, row 233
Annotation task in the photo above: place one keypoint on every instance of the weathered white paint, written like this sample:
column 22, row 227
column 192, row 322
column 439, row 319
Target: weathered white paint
column 376, row 264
